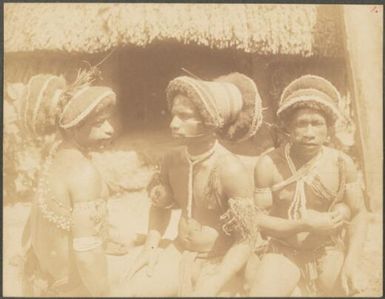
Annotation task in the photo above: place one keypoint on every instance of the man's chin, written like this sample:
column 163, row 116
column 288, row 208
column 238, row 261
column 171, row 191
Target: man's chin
column 100, row 145
column 179, row 139
column 308, row 148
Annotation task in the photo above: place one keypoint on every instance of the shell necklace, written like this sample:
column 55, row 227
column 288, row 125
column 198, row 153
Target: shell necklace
column 43, row 195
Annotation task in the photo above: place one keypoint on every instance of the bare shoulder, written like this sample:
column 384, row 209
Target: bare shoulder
column 265, row 170
column 231, row 165
column 348, row 163
column 83, row 179
column 234, row 176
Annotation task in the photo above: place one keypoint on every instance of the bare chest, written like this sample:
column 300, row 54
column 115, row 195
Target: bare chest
column 320, row 186
column 202, row 180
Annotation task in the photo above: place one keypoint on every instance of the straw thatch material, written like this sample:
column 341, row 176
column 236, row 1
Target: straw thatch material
column 91, row 28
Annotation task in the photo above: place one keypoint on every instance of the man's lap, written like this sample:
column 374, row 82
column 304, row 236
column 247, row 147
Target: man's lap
column 327, row 263
column 165, row 278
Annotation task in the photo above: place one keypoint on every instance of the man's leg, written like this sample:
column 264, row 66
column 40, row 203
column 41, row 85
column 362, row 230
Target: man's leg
column 251, row 271
column 162, row 283
column 329, row 268
column 204, row 269
column 275, row 275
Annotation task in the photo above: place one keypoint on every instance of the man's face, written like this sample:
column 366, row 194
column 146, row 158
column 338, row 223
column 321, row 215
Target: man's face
column 308, row 129
column 186, row 121
column 97, row 130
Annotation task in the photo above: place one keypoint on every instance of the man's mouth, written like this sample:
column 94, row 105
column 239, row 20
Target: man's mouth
column 177, row 135
column 309, row 146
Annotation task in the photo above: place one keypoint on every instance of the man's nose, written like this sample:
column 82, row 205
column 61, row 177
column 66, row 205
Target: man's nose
column 108, row 128
column 175, row 123
column 309, row 131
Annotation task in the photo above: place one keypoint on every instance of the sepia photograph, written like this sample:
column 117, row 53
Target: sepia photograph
column 192, row 150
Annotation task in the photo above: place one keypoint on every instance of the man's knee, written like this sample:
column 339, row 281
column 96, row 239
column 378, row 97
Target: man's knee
column 329, row 270
column 250, row 271
column 275, row 275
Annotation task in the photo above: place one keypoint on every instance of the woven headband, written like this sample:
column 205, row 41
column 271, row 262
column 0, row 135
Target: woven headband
column 86, row 111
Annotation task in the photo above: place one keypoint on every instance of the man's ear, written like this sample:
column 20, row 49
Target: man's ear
column 285, row 126
column 207, row 129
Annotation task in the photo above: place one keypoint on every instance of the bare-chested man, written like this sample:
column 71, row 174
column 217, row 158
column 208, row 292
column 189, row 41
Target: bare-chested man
column 200, row 179
column 303, row 181
column 64, row 236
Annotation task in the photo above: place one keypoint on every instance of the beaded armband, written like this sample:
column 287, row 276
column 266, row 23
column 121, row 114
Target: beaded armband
column 241, row 218
column 96, row 210
column 158, row 193
column 263, row 198
column 262, row 190
column 162, row 200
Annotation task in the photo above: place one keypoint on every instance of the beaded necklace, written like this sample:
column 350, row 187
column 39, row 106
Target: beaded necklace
column 44, row 195
column 192, row 161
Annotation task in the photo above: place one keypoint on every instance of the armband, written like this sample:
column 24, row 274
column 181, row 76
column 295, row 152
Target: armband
column 263, row 197
column 240, row 217
column 262, row 190
column 86, row 243
column 160, row 198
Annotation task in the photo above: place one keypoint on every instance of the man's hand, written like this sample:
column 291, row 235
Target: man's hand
column 323, row 222
column 350, row 278
column 148, row 257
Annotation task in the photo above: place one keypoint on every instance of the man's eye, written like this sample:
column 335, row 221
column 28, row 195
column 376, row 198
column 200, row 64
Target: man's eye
column 301, row 124
column 98, row 123
column 184, row 116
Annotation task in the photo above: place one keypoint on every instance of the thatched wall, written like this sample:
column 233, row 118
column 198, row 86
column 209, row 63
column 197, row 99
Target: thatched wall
column 304, row 30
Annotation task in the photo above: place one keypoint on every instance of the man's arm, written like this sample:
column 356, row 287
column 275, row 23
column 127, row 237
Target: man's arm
column 264, row 174
column 162, row 201
column 158, row 221
column 236, row 184
column 358, row 226
column 85, row 188
column 355, row 200
column 264, row 178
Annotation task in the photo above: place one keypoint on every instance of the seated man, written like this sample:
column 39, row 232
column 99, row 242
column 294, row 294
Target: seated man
column 200, row 179
column 64, row 237
column 303, row 181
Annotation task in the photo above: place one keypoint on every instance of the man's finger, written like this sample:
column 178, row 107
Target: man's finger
column 131, row 272
column 151, row 264
column 338, row 218
column 338, row 224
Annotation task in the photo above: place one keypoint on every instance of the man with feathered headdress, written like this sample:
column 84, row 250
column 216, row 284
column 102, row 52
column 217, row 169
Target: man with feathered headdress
column 204, row 180
column 315, row 186
column 64, row 237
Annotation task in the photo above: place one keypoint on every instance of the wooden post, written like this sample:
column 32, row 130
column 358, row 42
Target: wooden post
column 363, row 40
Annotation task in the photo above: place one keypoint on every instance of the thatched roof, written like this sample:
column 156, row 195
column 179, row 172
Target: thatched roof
column 90, row 28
